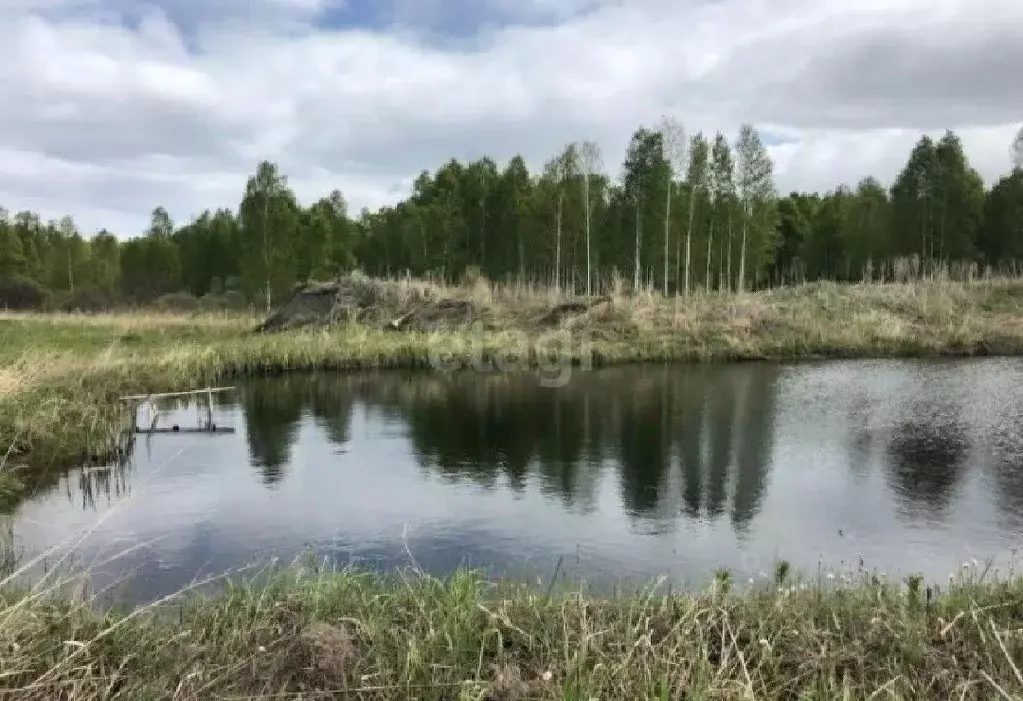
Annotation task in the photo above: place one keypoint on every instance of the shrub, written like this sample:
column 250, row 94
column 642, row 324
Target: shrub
column 19, row 292
column 230, row 300
column 177, row 302
column 85, row 300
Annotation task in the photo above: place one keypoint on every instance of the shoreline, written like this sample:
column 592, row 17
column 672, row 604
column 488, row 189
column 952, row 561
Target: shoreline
column 321, row 633
column 61, row 375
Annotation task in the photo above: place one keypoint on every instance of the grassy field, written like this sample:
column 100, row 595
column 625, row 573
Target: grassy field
column 61, row 375
column 314, row 633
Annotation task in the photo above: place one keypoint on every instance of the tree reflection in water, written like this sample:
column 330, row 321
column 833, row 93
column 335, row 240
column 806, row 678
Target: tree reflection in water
column 678, row 439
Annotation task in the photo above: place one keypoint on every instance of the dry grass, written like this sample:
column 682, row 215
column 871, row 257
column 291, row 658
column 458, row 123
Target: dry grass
column 831, row 319
column 13, row 380
column 311, row 632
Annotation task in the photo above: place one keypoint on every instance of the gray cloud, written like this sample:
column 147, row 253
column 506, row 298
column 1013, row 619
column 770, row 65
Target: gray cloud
column 887, row 82
column 898, row 69
column 177, row 107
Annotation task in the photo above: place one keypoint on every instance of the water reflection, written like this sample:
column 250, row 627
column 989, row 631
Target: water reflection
column 753, row 447
column 676, row 440
column 927, row 460
column 273, row 411
column 1006, row 462
column 696, row 443
column 106, row 483
column 637, row 471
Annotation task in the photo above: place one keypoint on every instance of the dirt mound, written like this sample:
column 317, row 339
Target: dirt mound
column 424, row 307
column 439, row 315
column 309, row 305
column 386, row 305
column 568, row 310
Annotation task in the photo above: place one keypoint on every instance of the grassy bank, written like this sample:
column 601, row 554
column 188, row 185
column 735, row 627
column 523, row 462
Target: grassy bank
column 61, row 375
column 325, row 634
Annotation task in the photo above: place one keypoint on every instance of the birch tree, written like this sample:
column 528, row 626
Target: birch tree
column 645, row 171
column 755, row 185
column 68, row 233
column 961, row 196
column 12, row 255
column 914, row 201
column 268, row 218
column 160, row 223
column 590, row 160
column 673, row 138
column 723, row 174
column 712, row 200
column 696, row 177
column 558, row 172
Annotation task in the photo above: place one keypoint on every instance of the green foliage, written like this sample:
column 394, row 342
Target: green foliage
column 19, row 292
column 697, row 185
column 208, row 248
column 267, row 234
column 755, row 189
column 960, row 200
column 913, row 202
column 1001, row 236
column 12, row 254
column 150, row 267
column 646, row 177
column 681, row 215
column 795, row 228
column 723, row 209
column 865, row 235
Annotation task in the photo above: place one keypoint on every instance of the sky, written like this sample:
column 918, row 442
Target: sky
column 112, row 107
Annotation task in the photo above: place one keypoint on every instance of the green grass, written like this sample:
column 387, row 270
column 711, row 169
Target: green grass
column 90, row 335
column 61, row 375
column 310, row 632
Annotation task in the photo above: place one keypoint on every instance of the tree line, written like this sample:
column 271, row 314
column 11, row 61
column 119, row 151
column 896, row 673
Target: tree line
column 686, row 212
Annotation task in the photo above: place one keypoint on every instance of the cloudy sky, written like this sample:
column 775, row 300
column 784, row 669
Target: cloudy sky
column 114, row 106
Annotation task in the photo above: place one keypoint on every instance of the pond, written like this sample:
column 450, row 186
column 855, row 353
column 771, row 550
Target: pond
column 621, row 475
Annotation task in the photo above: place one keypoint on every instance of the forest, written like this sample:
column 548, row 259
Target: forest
column 685, row 213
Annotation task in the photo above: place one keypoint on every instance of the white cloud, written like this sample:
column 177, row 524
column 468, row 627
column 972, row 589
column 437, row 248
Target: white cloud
column 107, row 119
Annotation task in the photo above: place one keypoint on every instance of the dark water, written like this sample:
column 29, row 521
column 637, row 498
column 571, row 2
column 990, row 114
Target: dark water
column 625, row 473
